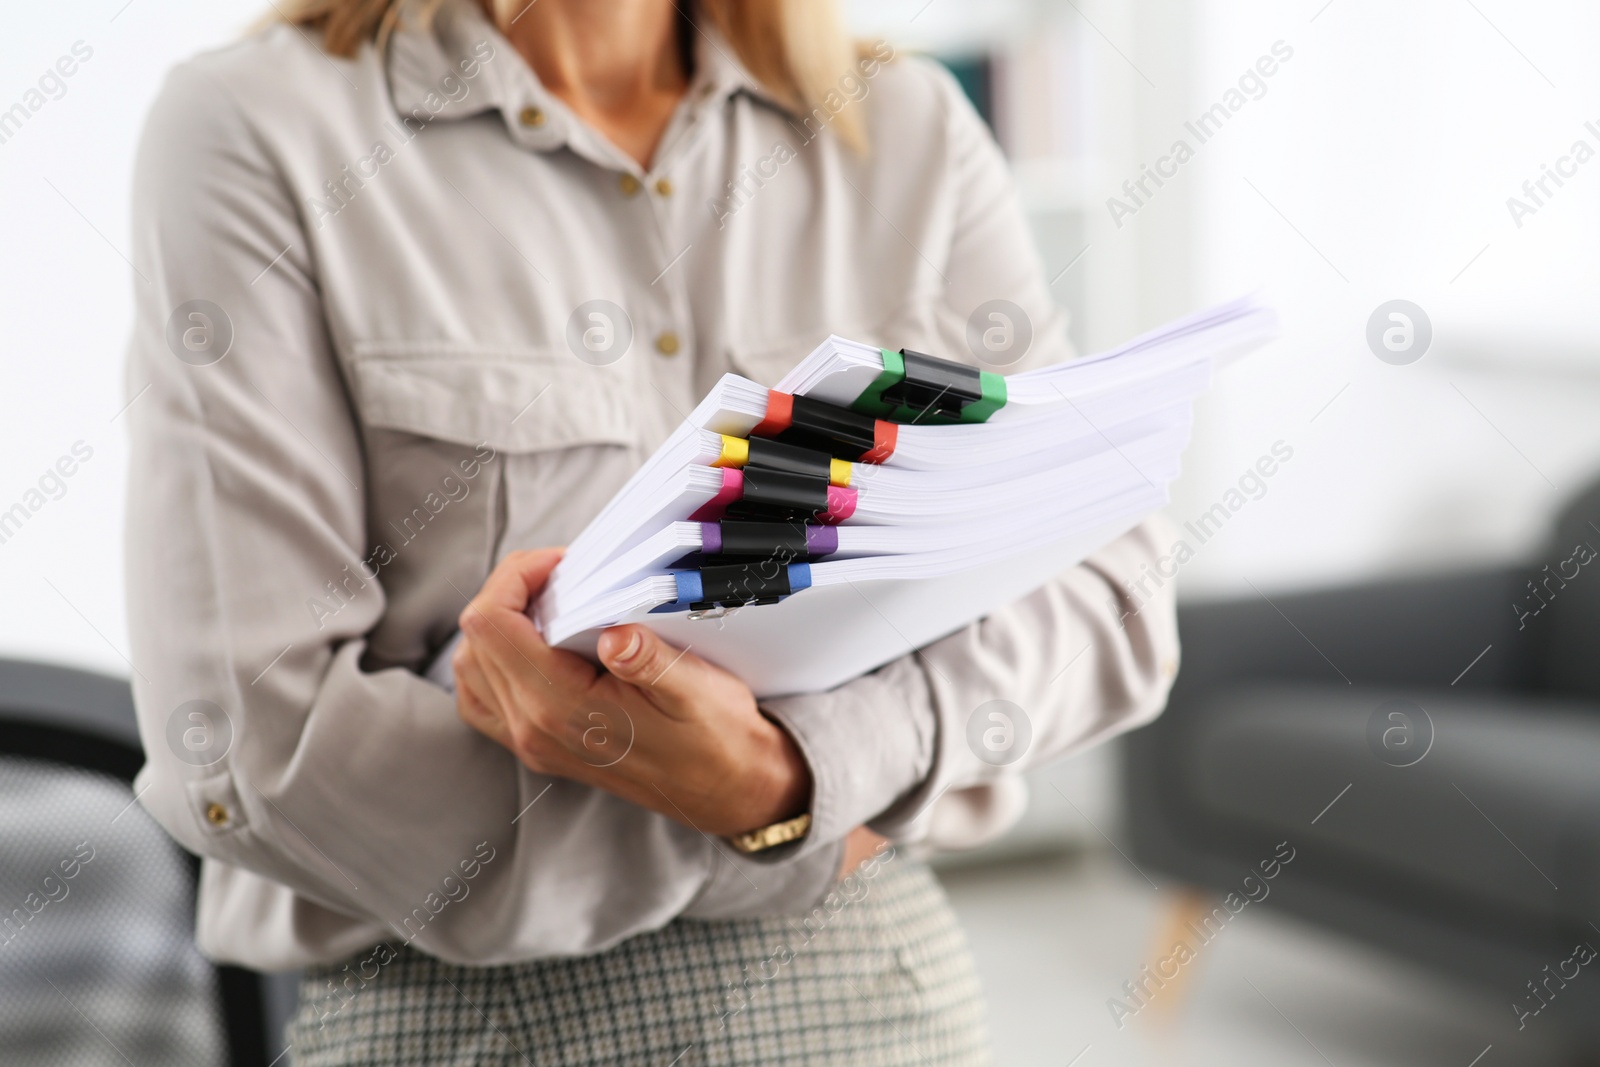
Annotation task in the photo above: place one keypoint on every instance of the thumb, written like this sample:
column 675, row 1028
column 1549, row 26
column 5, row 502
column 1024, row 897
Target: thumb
column 673, row 679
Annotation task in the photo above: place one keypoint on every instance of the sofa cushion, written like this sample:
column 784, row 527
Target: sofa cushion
column 1503, row 806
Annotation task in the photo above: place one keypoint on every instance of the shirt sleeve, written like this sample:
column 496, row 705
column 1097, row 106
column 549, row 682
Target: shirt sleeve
column 1088, row 655
column 359, row 790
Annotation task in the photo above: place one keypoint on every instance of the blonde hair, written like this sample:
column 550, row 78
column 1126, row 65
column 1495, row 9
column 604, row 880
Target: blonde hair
column 797, row 49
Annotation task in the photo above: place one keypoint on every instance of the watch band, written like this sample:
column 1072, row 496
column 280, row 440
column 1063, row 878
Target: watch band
column 779, row 833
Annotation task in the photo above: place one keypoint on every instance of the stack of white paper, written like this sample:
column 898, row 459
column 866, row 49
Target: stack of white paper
column 869, row 560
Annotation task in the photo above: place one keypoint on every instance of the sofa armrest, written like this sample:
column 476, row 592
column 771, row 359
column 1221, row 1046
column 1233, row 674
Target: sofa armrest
column 1422, row 631
column 1397, row 635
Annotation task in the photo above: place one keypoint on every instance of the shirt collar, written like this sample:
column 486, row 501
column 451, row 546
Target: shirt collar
column 457, row 64
column 720, row 74
column 442, row 67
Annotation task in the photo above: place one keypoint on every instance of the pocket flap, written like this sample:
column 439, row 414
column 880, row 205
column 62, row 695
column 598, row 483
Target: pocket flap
column 515, row 400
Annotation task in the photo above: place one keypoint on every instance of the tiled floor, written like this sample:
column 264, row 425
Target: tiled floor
column 1055, row 938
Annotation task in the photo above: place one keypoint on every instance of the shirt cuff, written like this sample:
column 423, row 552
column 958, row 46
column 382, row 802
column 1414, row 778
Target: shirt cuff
column 868, row 743
column 744, row 887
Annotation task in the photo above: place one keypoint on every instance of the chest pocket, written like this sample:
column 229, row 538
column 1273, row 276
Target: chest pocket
column 515, row 400
column 472, row 452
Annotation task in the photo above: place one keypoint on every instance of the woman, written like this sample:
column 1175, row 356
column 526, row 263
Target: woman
column 426, row 282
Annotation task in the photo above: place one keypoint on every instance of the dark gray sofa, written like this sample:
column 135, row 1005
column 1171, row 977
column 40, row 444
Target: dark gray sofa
column 1481, row 858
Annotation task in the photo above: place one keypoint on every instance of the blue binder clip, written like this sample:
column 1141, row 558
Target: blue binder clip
column 712, row 592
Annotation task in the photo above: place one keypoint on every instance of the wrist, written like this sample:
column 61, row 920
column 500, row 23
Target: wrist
column 780, row 786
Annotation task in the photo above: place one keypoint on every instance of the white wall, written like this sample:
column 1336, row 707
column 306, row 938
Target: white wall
column 1391, row 142
column 66, row 302
column 1376, row 166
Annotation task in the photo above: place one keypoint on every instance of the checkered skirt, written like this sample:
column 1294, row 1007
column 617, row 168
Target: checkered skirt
column 878, row 975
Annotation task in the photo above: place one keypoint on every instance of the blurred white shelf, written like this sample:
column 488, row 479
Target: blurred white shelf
column 949, row 28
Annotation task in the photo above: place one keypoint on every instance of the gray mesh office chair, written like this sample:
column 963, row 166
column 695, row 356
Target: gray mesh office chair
column 97, row 957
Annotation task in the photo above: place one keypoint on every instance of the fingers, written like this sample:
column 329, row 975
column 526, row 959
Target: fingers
column 637, row 656
column 499, row 701
column 508, row 641
column 673, row 679
column 469, row 672
column 472, row 692
column 517, row 580
column 512, row 682
column 481, row 718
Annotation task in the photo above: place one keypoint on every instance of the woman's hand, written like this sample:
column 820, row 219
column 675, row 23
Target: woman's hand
column 658, row 727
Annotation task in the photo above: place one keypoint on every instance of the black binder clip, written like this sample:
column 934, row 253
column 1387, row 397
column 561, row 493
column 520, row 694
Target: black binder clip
column 825, row 427
column 781, row 495
column 744, row 541
column 935, row 385
column 714, row 591
column 918, row 388
column 780, row 455
column 780, row 541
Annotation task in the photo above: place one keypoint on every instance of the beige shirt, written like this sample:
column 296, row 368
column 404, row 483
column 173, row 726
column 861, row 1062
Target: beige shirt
column 395, row 250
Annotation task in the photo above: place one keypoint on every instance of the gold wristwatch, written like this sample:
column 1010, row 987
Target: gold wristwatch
column 779, row 833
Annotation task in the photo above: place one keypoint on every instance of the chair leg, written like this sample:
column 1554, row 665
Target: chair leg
column 1185, row 910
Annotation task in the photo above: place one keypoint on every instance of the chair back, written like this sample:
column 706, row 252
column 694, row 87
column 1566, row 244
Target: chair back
column 97, row 956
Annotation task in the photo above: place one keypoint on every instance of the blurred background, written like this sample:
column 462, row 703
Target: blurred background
column 1389, row 648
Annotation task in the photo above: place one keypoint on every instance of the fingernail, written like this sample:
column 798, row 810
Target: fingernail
column 631, row 649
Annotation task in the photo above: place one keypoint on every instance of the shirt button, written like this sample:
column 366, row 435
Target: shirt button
column 216, row 814
column 531, row 116
column 663, row 187
column 667, row 343
column 628, row 184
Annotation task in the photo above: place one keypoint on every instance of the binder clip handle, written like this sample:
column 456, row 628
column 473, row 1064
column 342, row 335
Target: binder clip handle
column 719, row 612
